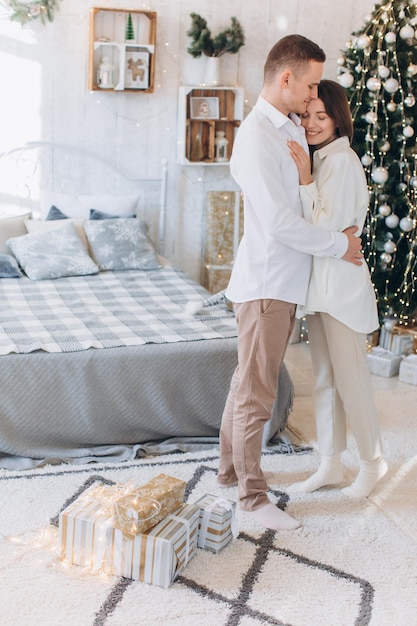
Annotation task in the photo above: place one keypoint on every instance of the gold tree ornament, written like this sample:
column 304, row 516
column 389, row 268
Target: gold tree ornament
column 24, row 12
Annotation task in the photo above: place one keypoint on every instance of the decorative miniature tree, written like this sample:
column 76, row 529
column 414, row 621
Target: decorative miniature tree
column 130, row 33
column 229, row 40
column 378, row 68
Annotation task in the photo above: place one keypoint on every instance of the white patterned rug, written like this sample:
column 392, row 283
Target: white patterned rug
column 353, row 563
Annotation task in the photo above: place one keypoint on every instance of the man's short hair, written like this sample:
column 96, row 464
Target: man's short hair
column 291, row 52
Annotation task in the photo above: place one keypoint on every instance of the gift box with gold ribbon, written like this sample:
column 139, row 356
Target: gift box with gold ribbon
column 88, row 538
column 138, row 508
column 398, row 339
column 217, row 522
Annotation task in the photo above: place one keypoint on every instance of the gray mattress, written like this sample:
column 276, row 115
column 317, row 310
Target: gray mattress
column 121, row 402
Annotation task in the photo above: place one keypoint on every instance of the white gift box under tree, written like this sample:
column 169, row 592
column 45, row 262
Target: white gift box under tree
column 408, row 370
column 382, row 362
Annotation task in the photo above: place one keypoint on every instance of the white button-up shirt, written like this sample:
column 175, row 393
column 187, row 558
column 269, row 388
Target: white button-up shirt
column 339, row 198
column 274, row 256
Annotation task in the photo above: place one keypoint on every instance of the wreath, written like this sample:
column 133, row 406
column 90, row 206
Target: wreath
column 25, row 12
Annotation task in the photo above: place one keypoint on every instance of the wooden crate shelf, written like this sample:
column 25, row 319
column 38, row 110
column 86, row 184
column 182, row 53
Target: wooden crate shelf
column 132, row 60
column 202, row 112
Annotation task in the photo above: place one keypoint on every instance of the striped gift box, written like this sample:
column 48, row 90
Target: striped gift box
column 158, row 555
column 217, row 522
column 84, row 525
column 89, row 539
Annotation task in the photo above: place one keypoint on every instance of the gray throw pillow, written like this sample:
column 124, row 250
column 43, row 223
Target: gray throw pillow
column 55, row 214
column 102, row 215
column 121, row 244
column 9, row 267
column 53, row 253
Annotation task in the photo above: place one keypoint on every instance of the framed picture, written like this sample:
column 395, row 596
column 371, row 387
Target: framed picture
column 137, row 69
column 204, row 108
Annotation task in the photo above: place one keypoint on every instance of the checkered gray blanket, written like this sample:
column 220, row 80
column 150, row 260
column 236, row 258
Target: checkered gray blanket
column 106, row 310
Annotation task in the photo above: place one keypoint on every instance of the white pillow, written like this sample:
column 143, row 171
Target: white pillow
column 78, row 206
column 40, row 226
column 11, row 227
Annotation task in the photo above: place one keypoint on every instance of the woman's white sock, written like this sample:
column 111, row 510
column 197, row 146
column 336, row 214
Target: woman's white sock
column 370, row 473
column 330, row 472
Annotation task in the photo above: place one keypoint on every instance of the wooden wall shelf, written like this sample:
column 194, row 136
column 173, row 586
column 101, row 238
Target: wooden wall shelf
column 132, row 59
column 202, row 112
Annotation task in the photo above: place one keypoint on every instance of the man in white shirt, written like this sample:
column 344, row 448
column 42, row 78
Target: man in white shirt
column 272, row 266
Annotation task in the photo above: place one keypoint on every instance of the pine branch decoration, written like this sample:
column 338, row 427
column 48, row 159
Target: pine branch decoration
column 228, row 41
column 24, row 12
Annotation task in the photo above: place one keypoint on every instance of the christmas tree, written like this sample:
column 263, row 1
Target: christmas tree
column 130, row 33
column 378, row 68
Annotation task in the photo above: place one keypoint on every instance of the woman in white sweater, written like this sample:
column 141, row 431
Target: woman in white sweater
column 341, row 306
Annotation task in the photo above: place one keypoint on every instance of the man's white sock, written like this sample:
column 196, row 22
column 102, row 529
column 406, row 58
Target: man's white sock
column 270, row 516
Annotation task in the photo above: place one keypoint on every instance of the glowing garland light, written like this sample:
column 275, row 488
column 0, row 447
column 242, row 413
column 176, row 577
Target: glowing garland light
column 378, row 69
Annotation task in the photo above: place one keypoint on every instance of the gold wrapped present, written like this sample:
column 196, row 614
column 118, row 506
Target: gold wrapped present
column 408, row 331
column 89, row 539
column 217, row 522
column 132, row 508
column 372, row 339
column 140, row 507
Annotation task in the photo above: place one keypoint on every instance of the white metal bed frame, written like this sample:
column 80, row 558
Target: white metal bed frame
column 29, row 171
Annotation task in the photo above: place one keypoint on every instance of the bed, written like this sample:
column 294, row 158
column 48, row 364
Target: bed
column 100, row 360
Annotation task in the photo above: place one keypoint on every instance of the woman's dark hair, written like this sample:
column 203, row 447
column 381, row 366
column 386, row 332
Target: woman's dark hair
column 336, row 105
column 292, row 52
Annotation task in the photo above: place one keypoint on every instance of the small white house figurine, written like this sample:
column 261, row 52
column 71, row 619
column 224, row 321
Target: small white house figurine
column 221, row 144
column 105, row 74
